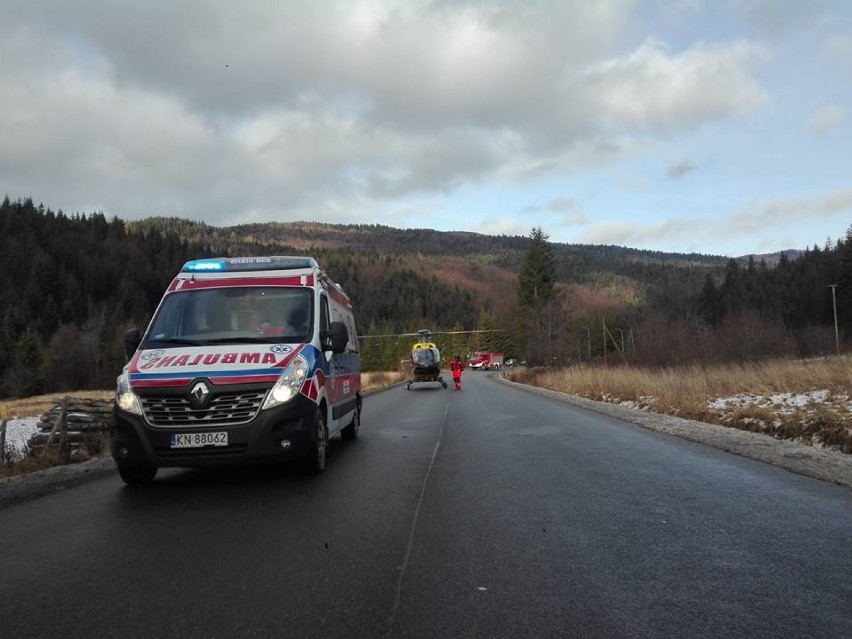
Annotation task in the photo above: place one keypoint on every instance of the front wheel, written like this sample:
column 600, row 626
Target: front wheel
column 137, row 475
column 315, row 460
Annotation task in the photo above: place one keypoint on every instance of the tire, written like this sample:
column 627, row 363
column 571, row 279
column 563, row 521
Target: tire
column 315, row 461
column 137, row 475
column 350, row 433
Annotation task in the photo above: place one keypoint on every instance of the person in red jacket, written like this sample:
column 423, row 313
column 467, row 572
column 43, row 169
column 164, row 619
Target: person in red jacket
column 457, row 366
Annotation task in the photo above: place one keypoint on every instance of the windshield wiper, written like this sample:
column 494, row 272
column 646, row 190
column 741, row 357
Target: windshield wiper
column 260, row 339
column 177, row 340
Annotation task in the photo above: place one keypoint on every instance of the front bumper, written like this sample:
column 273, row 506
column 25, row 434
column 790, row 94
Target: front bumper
column 134, row 441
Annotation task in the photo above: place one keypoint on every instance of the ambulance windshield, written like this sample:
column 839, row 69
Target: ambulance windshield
column 233, row 314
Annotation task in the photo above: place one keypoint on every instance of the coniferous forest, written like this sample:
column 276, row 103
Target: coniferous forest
column 72, row 284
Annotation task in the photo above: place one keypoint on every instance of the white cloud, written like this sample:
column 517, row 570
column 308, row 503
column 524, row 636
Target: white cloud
column 654, row 90
column 632, row 234
column 758, row 227
column 754, row 218
column 825, row 121
column 290, row 106
column 562, row 203
column 574, row 219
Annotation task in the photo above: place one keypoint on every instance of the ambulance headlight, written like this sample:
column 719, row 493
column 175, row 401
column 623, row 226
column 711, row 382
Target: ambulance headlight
column 288, row 385
column 125, row 398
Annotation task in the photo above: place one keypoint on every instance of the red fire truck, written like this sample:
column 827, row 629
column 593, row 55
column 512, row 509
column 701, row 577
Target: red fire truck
column 484, row 360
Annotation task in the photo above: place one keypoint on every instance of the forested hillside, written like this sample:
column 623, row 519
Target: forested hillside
column 71, row 285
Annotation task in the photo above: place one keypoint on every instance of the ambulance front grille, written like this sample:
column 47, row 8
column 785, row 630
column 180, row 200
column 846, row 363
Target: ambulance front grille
column 231, row 408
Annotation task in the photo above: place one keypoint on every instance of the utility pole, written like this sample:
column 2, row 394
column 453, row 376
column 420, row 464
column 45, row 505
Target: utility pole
column 833, row 288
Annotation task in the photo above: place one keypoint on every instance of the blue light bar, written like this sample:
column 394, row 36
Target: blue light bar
column 274, row 263
column 204, row 265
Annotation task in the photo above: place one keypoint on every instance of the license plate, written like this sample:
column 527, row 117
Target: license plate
column 199, row 440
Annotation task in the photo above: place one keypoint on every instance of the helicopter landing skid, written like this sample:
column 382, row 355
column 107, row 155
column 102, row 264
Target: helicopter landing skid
column 421, row 381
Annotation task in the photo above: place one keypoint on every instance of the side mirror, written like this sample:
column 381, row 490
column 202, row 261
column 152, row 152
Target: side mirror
column 339, row 338
column 132, row 339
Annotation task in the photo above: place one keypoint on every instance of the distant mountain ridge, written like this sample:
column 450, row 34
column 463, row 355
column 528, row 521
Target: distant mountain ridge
column 772, row 258
column 603, row 276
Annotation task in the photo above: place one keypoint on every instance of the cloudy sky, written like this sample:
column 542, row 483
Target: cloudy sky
column 715, row 126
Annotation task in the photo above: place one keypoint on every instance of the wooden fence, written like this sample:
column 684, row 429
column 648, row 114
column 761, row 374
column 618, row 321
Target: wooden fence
column 73, row 429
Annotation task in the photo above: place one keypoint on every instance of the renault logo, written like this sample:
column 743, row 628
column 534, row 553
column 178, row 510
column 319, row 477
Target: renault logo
column 198, row 394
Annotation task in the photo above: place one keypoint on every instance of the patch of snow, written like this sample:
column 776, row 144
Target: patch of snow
column 781, row 402
column 18, row 432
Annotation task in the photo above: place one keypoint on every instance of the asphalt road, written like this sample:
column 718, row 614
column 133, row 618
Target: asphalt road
column 489, row 512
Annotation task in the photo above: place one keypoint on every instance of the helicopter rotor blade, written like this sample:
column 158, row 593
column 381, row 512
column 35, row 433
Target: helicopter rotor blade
column 420, row 333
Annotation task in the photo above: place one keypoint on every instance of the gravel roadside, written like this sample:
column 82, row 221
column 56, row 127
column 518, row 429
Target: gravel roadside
column 51, row 480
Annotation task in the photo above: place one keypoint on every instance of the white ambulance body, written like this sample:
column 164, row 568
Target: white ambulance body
column 246, row 360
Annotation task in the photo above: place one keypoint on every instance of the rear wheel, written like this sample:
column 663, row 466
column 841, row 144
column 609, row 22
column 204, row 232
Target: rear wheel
column 137, row 475
column 351, row 432
column 315, row 460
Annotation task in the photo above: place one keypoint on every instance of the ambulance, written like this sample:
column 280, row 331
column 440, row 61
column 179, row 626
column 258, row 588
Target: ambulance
column 246, row 360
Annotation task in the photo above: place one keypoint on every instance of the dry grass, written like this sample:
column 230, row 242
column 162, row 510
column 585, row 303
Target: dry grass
column 34, row 406
column 379, row 380
column 777, row 397
column 26, row 465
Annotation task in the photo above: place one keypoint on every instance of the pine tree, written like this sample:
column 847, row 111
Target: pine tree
column 708, row 301
column 844, row 281
column 24, row 377
column 537, row 273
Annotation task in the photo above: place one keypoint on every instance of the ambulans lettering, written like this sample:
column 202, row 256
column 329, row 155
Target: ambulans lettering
column 250, row 358
column 268, row 358
column 155, row 359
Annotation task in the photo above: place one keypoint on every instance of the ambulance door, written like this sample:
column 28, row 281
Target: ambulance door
column 329, row 359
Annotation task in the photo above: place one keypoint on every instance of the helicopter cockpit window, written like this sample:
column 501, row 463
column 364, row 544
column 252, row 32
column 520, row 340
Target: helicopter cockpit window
column 425, row 356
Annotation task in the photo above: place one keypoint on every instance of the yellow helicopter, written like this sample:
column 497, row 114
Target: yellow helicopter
column 425, row 355
column 425, row 361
